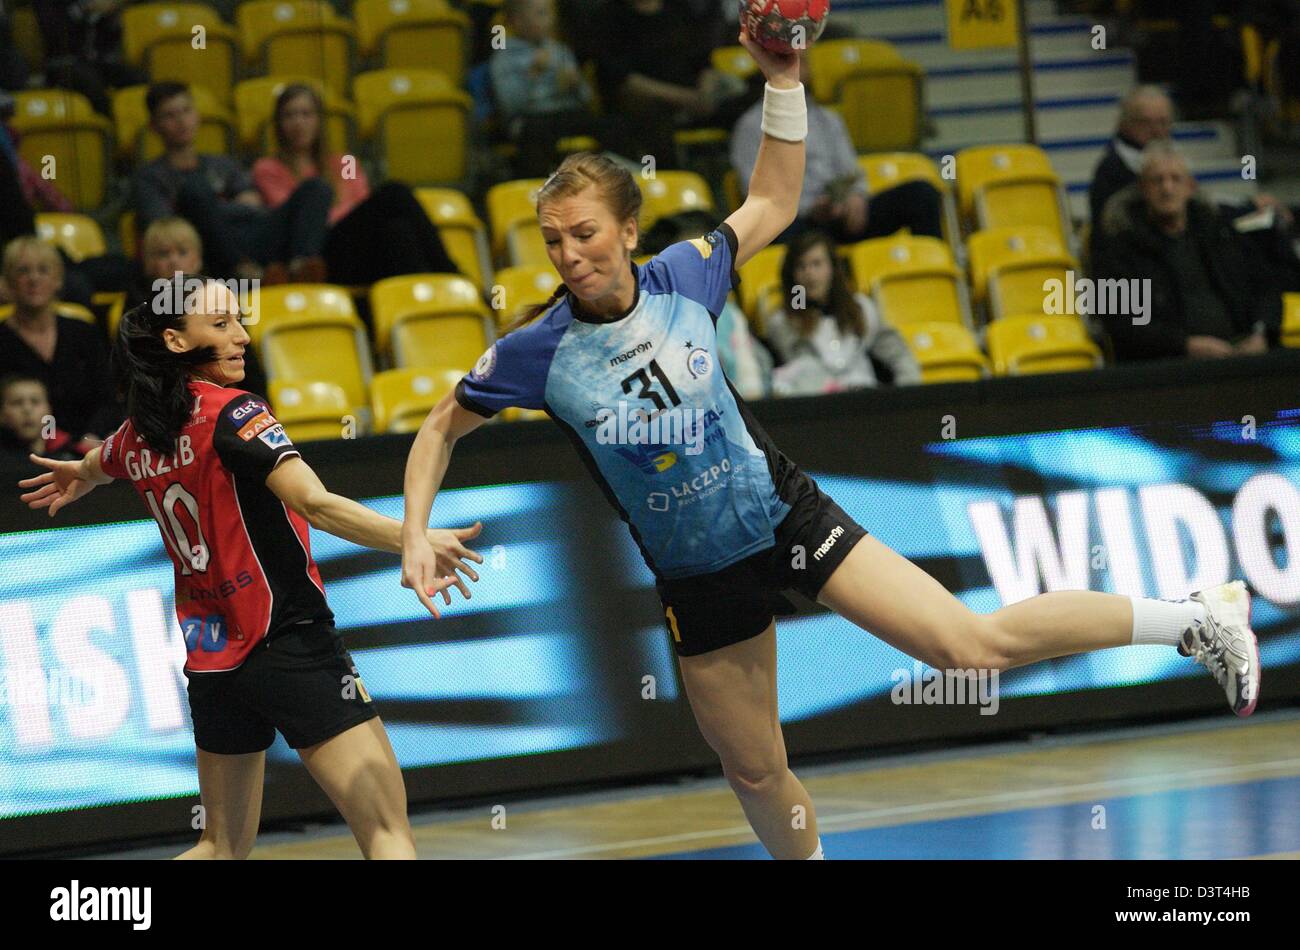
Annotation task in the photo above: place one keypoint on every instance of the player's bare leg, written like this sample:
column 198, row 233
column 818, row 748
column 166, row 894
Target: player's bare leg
column 230, row 787
column 889, row 596
column 733, row 695
column 359, row 772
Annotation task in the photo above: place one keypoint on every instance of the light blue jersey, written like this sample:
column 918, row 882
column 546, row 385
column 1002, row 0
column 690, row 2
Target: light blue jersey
column 644, row 399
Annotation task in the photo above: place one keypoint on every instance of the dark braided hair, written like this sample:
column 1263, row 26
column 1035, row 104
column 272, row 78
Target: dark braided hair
column 153, row 379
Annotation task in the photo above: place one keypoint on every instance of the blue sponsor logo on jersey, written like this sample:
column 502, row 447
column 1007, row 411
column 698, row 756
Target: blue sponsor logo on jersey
column 275, row 437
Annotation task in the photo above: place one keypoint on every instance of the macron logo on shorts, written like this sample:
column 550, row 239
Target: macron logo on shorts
column 828, row 543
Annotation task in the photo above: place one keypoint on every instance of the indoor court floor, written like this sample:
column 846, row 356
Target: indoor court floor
column 1211, row 788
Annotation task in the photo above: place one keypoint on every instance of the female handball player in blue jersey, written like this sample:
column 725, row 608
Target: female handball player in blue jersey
column 721, row 522
column 233, row 499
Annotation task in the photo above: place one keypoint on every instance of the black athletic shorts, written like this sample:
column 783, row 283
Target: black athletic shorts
column 709, row 611
column 300, row 680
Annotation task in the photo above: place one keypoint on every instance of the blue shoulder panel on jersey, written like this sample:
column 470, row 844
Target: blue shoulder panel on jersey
column 701, row 269
column 512, row 371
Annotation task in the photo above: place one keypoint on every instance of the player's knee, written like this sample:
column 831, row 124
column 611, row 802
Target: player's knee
column 978, row 643
column 754, row 775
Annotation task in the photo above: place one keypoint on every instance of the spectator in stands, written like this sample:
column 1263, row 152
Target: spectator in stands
column 83, row 48
column 745, row 360
column 217, row 195
column 70, row 357
column 25, row 417
column 371, row 235
column 1145, row 115
column 540, row 95
column 22, row 193
column 653, row 65
column 834, row 197
column 828, row 337
column 1202, row 302
column 171, row 245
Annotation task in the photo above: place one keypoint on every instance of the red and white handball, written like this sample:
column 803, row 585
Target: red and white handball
column 784, row 26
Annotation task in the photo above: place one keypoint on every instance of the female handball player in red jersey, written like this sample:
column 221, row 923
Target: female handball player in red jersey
column 729, row 522
column 233, row 500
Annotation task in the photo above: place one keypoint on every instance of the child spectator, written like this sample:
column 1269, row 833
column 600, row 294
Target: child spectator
column 25, row 418
column 827, row 336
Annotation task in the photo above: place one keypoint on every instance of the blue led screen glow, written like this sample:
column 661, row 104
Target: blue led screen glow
column 552, row 652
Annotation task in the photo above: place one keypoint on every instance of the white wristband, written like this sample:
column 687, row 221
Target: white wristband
column 785, row 114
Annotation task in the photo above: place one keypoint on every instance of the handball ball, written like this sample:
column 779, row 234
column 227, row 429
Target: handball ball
column 784, row 26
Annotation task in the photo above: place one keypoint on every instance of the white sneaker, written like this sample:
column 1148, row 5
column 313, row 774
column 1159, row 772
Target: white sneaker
column 1225, row 645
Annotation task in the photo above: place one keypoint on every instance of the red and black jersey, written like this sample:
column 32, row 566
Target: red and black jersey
column 242, row 557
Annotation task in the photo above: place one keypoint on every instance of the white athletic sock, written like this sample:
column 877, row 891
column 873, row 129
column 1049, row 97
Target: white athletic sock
column 817, row 855
column 1163, row 621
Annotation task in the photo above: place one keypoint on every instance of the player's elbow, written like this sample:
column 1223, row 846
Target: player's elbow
column 312, row 504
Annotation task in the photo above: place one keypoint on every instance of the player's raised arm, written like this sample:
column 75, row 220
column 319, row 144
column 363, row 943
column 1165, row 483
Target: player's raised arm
column 772, row 202
column 64, row 483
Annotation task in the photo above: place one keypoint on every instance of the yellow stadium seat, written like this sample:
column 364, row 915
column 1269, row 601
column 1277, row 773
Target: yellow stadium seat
column 127, row 235
column 429, row 320
column 297, row 37
column 673, row 192
column 1291, row 320
column 77, row 234
column 255, row 106
column 733, row 60
column 1011, row 266
column 515, row 414
column 163, row 39
column 65, row 141
column 947, row 352
column 27, row 36
column 419, row 121
column 516, row 288
column 993, row 249
column 73, row 311
column 526, row 246
column 312, row 409
column 911, row 279
column 290, row 302
column 981, row 164
column 875, row 90
column 509, row 203
column 136, row 140
column 1006, row 185
column 461, row 230
column 413, row 34
column 1038, row 343
column 885, row 170
column 402, row 398
column 320, row 346
column 757, row 274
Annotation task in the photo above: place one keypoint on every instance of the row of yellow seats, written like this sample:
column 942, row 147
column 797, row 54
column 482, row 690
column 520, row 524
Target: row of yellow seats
column 189, row 42
column 512, row 212
column 400, row 399
column 416, row 121
column 876, row 90
column 460, row 228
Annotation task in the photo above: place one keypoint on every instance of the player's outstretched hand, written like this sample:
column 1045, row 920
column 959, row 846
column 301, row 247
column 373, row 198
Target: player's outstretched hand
column 780, row 69
column 432, row 567
column 62, row 485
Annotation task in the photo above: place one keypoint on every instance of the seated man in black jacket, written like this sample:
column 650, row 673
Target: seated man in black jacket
column 1200, row 300
column 1145, row 115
